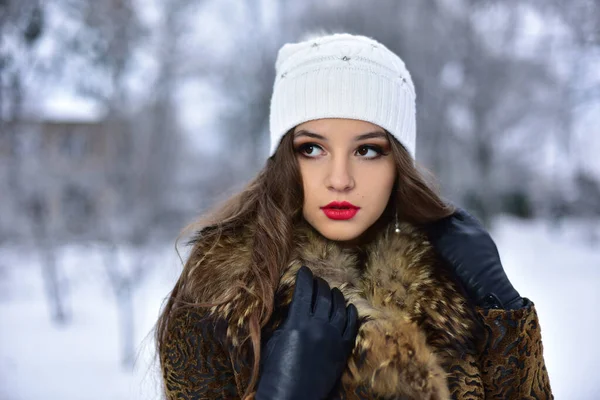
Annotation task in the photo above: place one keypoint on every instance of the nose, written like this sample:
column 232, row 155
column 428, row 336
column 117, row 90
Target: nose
column 339, row 177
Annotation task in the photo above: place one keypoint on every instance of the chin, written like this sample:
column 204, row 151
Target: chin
column 339, row 231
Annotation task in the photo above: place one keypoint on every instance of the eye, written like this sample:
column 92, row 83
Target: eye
column 369, row 151
column 310, row 150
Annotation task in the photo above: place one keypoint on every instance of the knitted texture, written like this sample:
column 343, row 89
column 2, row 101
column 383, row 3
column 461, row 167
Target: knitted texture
column 342, row 76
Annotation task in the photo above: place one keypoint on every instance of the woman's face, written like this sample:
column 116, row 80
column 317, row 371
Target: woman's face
column 348, row 172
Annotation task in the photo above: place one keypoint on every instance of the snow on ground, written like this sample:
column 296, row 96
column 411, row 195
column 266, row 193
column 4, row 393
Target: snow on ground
column 558, row 270
column 82, row 360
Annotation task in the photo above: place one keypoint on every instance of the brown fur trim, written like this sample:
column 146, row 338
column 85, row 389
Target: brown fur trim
column 413, row 317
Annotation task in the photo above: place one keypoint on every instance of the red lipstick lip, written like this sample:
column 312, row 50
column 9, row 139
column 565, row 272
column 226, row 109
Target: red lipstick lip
column 341, row 205
column 340, row 211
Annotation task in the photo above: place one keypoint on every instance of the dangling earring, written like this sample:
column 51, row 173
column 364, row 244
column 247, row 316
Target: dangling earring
column 397, row 225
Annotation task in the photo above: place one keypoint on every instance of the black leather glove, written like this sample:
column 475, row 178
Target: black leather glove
column 306, row 356
column 467, row 247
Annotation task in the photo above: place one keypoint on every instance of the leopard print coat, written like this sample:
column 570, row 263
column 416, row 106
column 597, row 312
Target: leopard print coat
column 419, row 337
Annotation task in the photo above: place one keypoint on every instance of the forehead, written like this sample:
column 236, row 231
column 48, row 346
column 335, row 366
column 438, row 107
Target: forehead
column 339, row 127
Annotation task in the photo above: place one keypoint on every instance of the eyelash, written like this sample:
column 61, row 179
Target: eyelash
column 378, row 149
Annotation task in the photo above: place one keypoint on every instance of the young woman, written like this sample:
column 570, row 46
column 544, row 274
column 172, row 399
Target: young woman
column 338, row 272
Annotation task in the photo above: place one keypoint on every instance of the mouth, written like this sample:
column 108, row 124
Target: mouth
column 340, row 210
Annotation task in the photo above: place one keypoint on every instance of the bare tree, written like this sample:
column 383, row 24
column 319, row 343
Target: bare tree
column 21, row 26
column 126, row 273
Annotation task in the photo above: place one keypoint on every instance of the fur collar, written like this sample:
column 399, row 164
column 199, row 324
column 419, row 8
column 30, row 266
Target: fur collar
column 414, row 319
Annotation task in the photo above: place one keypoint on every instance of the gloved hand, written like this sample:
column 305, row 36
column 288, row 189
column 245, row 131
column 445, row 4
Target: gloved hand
column 306, row 356
column 467, row 247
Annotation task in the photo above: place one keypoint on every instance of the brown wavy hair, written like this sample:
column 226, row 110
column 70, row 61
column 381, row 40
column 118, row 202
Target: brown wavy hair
column 272, row 204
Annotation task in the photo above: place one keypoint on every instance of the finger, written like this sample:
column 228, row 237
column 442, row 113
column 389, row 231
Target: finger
column 303, row 293
column 351, row 324
column 338, row 310
column 322, row 307
column 270, row 346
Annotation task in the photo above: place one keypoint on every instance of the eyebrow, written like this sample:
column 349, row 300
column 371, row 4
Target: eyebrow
column 368, row 135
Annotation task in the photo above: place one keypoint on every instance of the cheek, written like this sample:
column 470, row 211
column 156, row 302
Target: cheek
column 378, row 184
column 309, row 181
column 308, row 192
column 380, row 179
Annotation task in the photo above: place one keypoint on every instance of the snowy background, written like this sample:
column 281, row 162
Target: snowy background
column 121, row 121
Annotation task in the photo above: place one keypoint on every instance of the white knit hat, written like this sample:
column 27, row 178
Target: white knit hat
column 342, row 76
